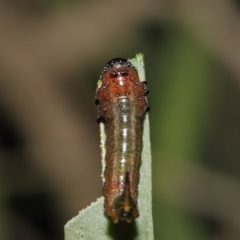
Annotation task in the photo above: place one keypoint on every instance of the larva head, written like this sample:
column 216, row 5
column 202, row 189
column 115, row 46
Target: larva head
column 116, row 63
column 120, row 79
column 119, row 73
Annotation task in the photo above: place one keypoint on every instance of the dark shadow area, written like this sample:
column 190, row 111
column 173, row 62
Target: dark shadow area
column 10, row 137
column 122, row 230
column 39, row 211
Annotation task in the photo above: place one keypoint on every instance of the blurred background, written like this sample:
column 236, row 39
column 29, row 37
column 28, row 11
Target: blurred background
column 51, row 56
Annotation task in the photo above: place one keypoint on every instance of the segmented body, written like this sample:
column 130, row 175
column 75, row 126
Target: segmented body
column 122, row 106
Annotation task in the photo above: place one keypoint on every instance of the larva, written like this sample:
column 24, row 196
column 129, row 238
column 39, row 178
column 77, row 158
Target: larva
column 122, row 107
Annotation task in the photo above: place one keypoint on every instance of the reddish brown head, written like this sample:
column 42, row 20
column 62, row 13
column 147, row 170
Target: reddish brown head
column 120, row 79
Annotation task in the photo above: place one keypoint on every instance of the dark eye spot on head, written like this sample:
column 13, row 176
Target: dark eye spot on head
column 113, row 74
column 124, row 72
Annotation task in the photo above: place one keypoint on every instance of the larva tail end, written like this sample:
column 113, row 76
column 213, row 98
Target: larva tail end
column 124, row 206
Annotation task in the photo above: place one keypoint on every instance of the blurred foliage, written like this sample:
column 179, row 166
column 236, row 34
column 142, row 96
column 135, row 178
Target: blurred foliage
column 41, row 7
column 181, row 103
column 194, row 100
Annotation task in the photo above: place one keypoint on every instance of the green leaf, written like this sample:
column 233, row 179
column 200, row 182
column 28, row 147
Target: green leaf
column 91, row 223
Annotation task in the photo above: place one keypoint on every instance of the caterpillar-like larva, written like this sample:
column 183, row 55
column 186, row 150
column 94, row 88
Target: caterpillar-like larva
column 122, row 107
